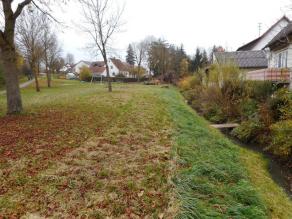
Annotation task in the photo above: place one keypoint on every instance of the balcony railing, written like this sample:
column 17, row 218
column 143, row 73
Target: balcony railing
column 271, row 74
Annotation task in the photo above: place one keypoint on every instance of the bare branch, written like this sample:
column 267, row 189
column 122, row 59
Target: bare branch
column 101, row 23
column 20, row 7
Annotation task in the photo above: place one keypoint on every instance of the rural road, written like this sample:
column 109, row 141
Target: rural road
column 23, row 85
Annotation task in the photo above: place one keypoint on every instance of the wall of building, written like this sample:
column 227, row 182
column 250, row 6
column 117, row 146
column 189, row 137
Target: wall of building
column 113, row 69
column 271, row 34
column 273, row 57
column 79, row 65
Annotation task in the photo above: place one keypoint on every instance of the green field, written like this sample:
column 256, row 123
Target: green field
column 139, row 152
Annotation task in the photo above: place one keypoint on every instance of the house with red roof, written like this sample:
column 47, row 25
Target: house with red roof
column 98, row 69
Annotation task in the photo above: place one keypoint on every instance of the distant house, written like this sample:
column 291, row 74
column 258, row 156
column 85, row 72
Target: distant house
column 98, row 69
column 245, row 60
column 66, row 68
column 261, row 42
column 78, row 66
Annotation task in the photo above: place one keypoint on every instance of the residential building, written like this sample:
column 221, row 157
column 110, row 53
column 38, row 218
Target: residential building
column 261, row 42
column 98, row 69
column 245, row 60
column 279, row 60
column 78, row 66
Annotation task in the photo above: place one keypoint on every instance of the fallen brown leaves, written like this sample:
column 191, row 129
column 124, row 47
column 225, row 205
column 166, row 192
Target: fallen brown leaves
column 96, row 163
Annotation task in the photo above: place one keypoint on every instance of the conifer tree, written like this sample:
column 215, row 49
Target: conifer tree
column 130, row 55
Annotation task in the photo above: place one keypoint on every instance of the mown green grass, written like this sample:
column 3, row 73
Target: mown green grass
column 213, row 181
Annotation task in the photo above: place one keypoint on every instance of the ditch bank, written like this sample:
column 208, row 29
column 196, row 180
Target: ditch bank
column 280, row 171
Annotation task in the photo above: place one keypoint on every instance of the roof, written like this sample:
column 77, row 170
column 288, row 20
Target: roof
column 120, row 65
column 86, row 62
column 244, row 59
column 251, row 44
column 282, row 36
column 98, row 63
column 97, row 66
column 97, row 69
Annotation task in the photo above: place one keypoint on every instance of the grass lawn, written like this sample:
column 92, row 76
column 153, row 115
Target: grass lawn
column 139, row 152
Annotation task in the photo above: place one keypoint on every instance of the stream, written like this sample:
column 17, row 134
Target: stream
column 279, row 173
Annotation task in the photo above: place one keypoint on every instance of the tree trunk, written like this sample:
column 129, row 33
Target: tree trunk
column 139, row 69
column 34, row 69
column 14, row 103
column 48, row 73
column 108, row 74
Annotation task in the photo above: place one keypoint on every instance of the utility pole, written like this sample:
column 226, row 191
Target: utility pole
column 260, row 28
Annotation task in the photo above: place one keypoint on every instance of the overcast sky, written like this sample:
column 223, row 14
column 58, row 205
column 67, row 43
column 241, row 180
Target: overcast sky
column 193, row 23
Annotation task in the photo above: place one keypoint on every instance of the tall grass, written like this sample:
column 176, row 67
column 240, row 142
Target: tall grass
column 211, row 180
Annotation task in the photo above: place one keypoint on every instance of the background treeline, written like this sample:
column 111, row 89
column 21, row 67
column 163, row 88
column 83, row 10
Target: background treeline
column 264, row 110
column 166, row 61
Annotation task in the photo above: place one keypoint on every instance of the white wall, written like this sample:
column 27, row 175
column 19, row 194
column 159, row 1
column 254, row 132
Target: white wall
column 273, row 57
column 113, row 69
column 79, row 65
column 271, row 34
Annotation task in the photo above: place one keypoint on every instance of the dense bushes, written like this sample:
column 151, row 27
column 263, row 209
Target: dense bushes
column 282, row 138
column 85, row 74
column 263, row 111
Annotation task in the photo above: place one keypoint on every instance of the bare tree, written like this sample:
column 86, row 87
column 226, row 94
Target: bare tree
column 70, row 59
column 8, row 18
column 31, row 29
column 54, row 55
column 140, row 53
column 101, row 22
column 51, row 49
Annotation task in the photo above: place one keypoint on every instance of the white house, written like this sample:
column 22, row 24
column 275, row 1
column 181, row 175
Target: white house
column 280, row 48
column 66, row 68
column 279, row 59
column 78, row 66
column 261, row 42
column 98, row 69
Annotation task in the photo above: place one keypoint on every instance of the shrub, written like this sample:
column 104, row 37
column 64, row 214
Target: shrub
column 281, row 104
column 260, row 90
column 218, row 74
column 194, row 97
column 282, row 138
column 85, row 74
column 248, row 130
column 232, row 95
column 215, row 114
column 120, row 75
column 248, row 108
column 190, row 82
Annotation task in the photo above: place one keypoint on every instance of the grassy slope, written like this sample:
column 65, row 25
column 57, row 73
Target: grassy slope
column 213, row 181
column 277, row 202
column 108, row 154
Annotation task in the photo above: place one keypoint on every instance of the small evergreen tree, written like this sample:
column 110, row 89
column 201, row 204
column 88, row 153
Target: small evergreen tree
column 204, row 61
column 130, row 55
column 200, row 60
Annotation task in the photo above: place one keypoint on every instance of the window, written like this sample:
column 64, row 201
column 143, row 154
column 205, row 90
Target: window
column 282, row 59
column 112, row 67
